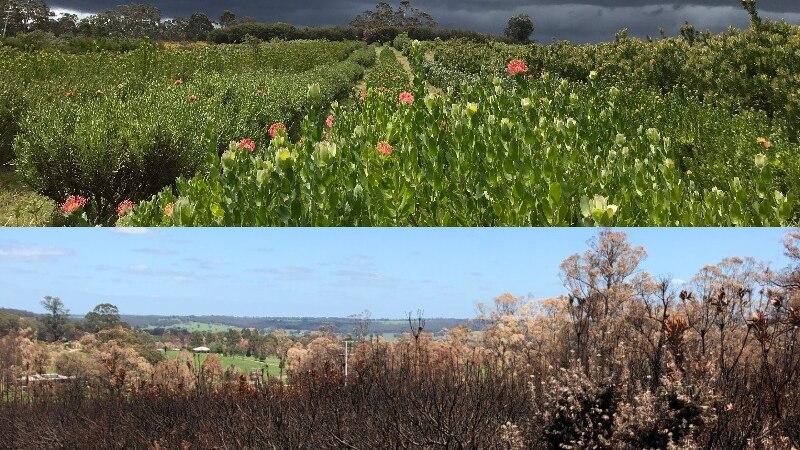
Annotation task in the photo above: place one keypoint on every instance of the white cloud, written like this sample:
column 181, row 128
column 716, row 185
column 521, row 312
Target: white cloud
column 80, row 14
column 140, row 268
column 32, row 252
column 135, row 231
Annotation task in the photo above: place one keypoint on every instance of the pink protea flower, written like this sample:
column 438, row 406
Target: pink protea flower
column 192, row 98
column 363, row 95
column 274, row 128
column 516, row 66
column 69, row 94
column 652, row 61
column 73, row 203
column 179, row 81
column 98, row 92
column 259, row 91
column 384, row 148
column 124, row 207
column 329, row 121
column 169, row 209
column 248, row 144
column 407, row 98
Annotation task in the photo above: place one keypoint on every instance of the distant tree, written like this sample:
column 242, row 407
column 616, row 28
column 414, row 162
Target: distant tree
column 226, row 19
column 134, row 20
column 20, row 16
column 688, row 32
column 66, row 24
column 750, row 7
column 174, row 29
column 519, row 28
column 601, row 283
column 8, row 322
column 104, row 315
column 405, row 16
column 56, row 319
column 243, row 20
column 361, row 325
column 198, row 27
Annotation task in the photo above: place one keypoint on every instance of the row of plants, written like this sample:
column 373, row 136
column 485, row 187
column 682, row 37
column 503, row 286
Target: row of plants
column 512, row 150
column 756, row 69
column 105, row 144
column 37, row 80
column 387, row 75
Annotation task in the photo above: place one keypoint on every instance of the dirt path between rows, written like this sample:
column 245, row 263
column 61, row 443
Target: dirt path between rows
column 407, row 67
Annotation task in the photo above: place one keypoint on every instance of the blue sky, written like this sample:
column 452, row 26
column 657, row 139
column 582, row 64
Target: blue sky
column 327, row 272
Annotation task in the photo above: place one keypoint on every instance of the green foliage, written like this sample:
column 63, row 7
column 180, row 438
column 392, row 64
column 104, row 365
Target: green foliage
column 519, row 28
column 104, row 315
column 364, row 57
column 8, row 322
column 388, row 75
column 402, row 42
column 508, row 152
column 735, row 70
column 55, row 320
column 126, row 128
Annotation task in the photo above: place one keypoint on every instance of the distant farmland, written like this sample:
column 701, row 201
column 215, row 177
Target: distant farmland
column 388, row 328
column 243, row 363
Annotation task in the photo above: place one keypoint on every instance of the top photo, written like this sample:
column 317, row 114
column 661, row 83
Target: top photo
column 426, row 113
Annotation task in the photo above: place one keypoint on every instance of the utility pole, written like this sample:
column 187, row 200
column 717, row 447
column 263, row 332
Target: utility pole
column 346, row 346
column 8, row 15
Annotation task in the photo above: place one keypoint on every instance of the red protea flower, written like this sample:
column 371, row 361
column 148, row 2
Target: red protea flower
column 329, row 121
column 69, row 94
column 407, row 98
column 192, row 98
column 73, row 203
column 516, row 66
column 274, row 128
column 169, row 209
column 124, row 207
column 179, row 81
column 249, row 144
column 384, row 148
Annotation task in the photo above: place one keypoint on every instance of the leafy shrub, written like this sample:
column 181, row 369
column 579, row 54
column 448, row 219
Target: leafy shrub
column 129, row 140
column 512, row 151
column 402, row 42
column 364, row 57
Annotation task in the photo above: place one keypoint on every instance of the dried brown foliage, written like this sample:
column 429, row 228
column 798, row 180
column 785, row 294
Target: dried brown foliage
column 623, row 361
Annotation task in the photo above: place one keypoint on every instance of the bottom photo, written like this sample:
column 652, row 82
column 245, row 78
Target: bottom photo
column 502, row 338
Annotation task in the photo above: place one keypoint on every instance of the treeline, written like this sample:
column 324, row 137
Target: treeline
column 31, row 25
column 336, row 324
column 624, row 360
column 382, row 34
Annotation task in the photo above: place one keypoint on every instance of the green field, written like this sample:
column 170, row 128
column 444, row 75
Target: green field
column 243, row 363
column 667, row 132
column 198, row 326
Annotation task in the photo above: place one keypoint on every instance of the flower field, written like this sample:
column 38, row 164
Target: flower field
column 111, row 127
column 629, row 132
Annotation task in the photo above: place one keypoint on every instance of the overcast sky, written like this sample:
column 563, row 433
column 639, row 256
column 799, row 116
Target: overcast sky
column 328, row 272
column 576, row 20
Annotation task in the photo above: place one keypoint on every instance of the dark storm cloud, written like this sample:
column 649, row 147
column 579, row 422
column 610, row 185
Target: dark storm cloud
column 577, row 20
